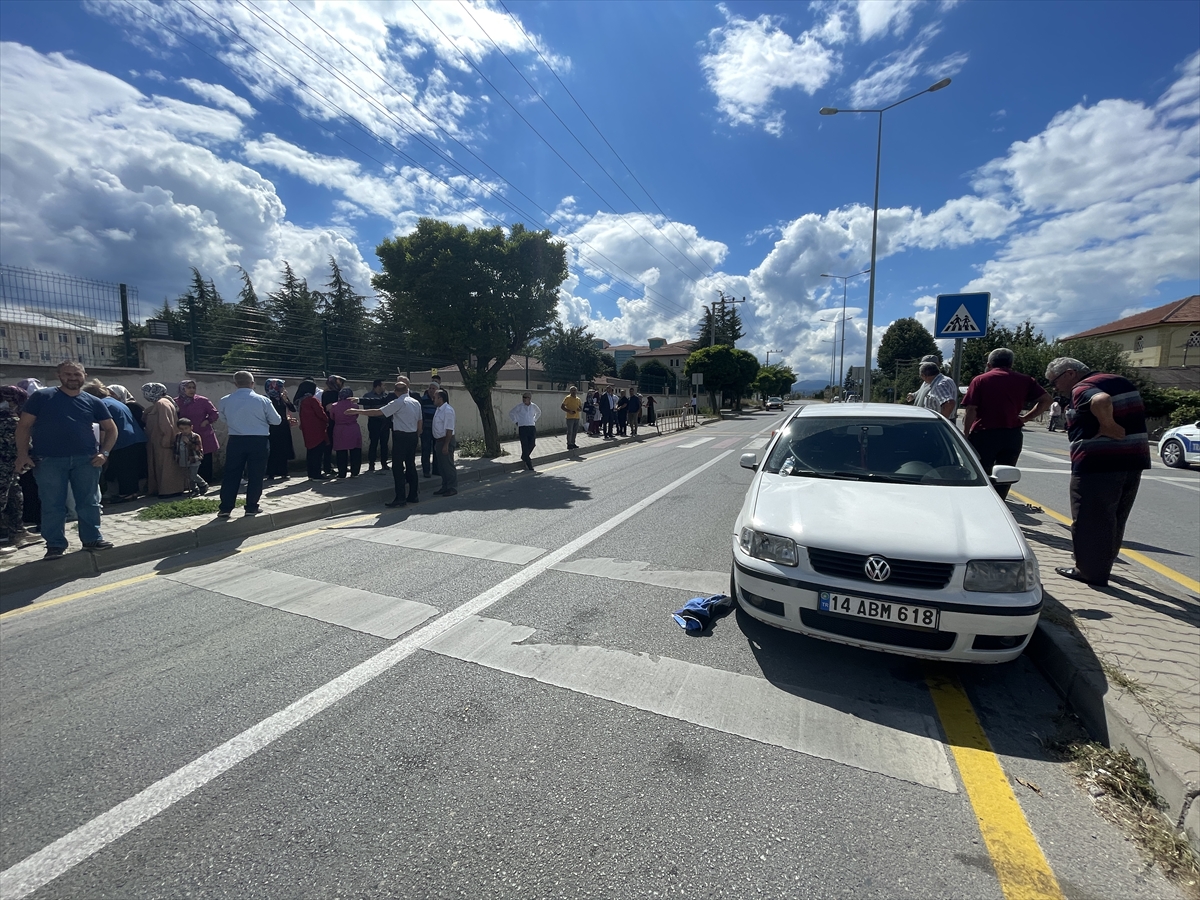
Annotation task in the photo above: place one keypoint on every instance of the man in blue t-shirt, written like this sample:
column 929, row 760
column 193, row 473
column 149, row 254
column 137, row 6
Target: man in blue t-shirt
column 58, row 423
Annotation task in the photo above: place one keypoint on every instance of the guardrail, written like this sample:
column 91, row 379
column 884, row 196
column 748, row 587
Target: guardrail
column 674, row 419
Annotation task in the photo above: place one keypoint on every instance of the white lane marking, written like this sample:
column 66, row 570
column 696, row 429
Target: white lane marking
column 1047, row 457
column 445, row 543
column 757, row 444
column 699, row 582
column 898, row 743
column 377, row 614
column 721, row 445
column 23, row 878
column 695, row 443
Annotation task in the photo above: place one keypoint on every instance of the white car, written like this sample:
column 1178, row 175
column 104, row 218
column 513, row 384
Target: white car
column 1180, row 447
column 875, row 526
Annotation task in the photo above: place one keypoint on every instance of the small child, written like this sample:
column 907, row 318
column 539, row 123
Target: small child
column 189, row 453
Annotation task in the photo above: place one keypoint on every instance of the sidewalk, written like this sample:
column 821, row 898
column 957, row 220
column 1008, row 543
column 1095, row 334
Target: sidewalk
column 284, row 504
column 1127, row 660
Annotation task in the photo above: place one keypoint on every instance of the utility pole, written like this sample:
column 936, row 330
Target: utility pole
column 724, row 300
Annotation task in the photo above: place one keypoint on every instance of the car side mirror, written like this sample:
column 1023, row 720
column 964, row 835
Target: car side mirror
column 749, row 461
column 1006, row 474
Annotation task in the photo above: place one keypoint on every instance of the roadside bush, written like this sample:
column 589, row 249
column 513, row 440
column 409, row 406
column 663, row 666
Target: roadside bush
column 179, row 509
column 1185, row 414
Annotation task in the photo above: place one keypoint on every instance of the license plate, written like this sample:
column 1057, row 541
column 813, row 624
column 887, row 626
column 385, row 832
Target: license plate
column 888, row 611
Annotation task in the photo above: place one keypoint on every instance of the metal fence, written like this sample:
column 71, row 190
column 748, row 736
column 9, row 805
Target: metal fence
column 46, row 317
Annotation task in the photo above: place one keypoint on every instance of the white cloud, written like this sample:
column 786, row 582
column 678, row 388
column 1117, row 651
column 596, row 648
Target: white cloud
column 749, row 61
column 101, row 181
column 219, row 95
column 877, row 18
column 1182, row 99
column 893, row 75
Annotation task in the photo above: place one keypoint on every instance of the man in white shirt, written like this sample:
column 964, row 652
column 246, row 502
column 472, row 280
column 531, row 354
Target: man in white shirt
column 941, row 392
column 405, row 412
column 249, row 417
column 525, row 415
column 443, row 443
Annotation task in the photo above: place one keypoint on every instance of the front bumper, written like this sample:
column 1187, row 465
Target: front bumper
column 967, row 632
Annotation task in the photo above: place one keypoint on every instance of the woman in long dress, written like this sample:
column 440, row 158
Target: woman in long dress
column 314, row 428
column 202, row 412
column 164, row 476
column 347, row 435
column 281, row 435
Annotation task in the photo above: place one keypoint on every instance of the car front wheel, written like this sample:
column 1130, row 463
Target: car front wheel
column 1172, row 454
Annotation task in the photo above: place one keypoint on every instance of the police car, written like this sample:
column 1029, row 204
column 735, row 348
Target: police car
column 1180, row 447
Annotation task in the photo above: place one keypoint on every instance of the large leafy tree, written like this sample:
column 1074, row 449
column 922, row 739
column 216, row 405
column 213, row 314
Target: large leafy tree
column 629, row 371
column 725, row 370
column 476, row 296
column 774, row 380
column 608, row 365
column 568, row 354
column 900, row 352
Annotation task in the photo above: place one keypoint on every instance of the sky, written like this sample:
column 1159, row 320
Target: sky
column 675, row 147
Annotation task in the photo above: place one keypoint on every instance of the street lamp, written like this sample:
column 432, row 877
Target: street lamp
column 842, row 361
column 832, row 111
column 832, row 358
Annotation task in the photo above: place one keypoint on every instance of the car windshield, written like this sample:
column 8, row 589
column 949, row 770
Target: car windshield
column 906, row 451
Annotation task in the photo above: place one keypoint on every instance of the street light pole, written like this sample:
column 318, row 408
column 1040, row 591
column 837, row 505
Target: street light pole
column 842, row 360
column 833, row 111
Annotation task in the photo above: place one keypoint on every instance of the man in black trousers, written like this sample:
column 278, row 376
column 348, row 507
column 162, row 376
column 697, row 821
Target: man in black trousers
column 379, row 429
column 405, row 412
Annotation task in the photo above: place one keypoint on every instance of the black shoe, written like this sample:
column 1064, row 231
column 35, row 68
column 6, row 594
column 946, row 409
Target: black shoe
column 1075, row 575
column 252, row 512
column 98, row 545
column 396, row 504
column 223, row 514
column 317, row 478
column 54, row 553
column 385, row 467
column 426, row 475
column 370, row 467
column 449, row 493
column 440, row 493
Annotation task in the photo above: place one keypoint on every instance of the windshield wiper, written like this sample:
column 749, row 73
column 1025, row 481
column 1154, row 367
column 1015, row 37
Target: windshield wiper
column 866, row 476
column 809, row 473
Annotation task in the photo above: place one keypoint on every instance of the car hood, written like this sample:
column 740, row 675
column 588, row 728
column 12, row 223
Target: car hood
column 901, row 521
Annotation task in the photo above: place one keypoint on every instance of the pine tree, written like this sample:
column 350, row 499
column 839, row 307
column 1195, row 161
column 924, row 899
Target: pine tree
column 344, row 320
column 294, row 343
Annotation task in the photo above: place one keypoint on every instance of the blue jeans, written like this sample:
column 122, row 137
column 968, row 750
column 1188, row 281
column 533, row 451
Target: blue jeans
column 54, row 474
column 246, row 453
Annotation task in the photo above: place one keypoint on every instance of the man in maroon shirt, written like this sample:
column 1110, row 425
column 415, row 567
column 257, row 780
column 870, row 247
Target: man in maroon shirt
column 992, row 418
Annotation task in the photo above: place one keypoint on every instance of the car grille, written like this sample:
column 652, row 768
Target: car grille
column 905, row 572
column 877, row 633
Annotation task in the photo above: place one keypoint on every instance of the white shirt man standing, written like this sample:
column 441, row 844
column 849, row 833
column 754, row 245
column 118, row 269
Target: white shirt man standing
column 249, row 417
column 405, row 413
column 940, row 391
column 525, row 415
column 443, row 443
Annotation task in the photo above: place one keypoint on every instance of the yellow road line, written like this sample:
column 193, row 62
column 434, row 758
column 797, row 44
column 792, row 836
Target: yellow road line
column 1020, row 865
column 1166, row 571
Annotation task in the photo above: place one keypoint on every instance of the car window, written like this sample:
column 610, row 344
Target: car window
column 874, row 449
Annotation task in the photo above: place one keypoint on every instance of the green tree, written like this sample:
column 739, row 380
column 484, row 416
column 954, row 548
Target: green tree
column 774, row 380
column 292, row 345
column 476, row 296
column 655, row 378
column 568, row 354
column 608, row 365
column 719, row 326
column 344, row 325
column 629, row 371
column 725, row 369
column 905, row 339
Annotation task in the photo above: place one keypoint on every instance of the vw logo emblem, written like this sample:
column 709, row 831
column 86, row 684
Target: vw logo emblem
column 877, row 568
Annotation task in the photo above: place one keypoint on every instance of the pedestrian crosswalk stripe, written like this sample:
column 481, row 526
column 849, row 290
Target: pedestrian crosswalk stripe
column 757, row 444
column 695, row 443
column 899, row 743
column 447, row 543
column 696, row 581
column 377, row 614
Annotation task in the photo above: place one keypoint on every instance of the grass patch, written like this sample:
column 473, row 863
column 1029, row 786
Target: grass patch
column 1123, row 793
column 181, row 509
column 473, row 448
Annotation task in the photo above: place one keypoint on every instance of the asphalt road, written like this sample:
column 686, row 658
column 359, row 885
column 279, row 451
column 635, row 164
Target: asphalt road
column 1165, row 522
column 488, row 697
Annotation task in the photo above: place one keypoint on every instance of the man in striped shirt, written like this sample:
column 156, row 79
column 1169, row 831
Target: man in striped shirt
column 941, row 392
column 1106, row 422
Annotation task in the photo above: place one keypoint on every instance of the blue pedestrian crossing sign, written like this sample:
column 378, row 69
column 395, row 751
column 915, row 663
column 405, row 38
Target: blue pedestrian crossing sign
column 961, row 315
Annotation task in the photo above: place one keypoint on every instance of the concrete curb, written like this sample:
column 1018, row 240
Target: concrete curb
column 83, row 564
column 1115, row 718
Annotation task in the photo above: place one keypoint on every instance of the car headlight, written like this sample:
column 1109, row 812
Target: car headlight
column 770, row 547
column 1001, row 576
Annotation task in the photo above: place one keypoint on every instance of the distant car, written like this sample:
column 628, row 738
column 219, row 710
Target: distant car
column 1180, row 447
column 875, row 526
column 774, row 403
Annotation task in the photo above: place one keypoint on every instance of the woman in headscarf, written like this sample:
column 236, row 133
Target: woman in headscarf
column 32, row 507
column 203, row 414
column 124, row 460
column 281, row 434
column 164, row 477
column 314, row 428
column 331, row 395
column 347, row 434
column 13, row 535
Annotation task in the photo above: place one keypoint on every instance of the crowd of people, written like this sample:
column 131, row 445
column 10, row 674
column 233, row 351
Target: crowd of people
column 611, row 413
